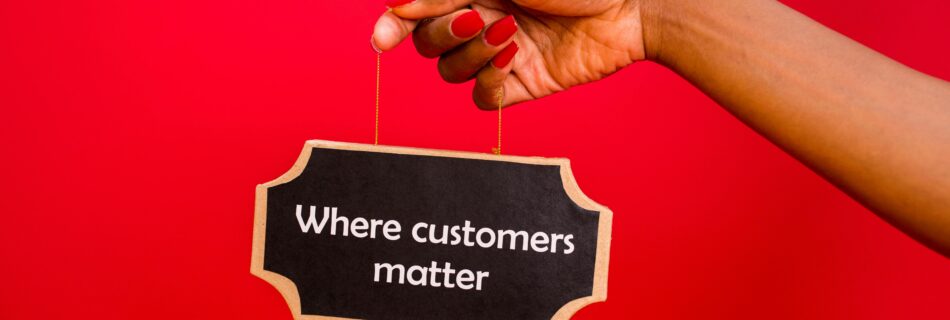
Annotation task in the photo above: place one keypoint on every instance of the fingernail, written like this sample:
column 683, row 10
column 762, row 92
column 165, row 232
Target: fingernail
column 467, row 24
column 499, row 32
column 503, row 58
column 397, row 3
column 372, row 42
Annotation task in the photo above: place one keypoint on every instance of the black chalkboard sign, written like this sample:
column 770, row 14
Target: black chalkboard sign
column 357, row 231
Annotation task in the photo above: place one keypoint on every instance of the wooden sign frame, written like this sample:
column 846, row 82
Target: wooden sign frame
column 289, row 290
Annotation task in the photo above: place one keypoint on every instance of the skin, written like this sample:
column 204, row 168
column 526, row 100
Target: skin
column 555, row 38
column 877, row 129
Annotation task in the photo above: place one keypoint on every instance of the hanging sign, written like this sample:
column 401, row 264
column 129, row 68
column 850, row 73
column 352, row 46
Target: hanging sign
column 358, row 231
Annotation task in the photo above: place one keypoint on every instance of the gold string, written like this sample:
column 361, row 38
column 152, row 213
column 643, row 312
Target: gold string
column 500, row 95
column 379, row 56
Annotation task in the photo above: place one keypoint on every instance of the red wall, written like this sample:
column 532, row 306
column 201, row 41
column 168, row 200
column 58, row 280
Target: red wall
column 133, row 134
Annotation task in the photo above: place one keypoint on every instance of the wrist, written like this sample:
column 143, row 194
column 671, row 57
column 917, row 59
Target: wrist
column 653, row 16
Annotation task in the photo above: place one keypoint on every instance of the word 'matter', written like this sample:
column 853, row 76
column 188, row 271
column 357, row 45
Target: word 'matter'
column 421, row 276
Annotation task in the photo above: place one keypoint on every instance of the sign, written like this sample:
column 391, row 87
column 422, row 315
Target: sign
column 357, row 231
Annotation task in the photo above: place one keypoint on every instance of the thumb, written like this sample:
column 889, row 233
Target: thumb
column 390, row 30
column 401, row 19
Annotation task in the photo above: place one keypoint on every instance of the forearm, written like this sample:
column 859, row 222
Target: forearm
column 874, row 127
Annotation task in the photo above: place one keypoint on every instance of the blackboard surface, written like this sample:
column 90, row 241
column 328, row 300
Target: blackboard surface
column 324, row 275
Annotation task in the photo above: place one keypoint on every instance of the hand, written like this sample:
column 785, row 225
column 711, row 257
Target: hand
column 546, row 46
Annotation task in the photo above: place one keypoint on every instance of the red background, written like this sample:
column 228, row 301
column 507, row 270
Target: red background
column 134, row 132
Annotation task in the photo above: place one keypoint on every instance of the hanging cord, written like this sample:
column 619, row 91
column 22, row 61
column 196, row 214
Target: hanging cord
column 379, row 56
column 500, row 95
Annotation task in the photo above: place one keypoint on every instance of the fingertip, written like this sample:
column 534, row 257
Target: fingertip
column 386, row 34
column 504, row 57
column 489, row 84
column 482, row 104
column 390, row 31
column 501, row 31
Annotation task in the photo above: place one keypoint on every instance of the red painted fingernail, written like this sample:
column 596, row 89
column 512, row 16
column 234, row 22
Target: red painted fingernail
column 467, row 24
column 499, row 32
column 503, row 58
column 396, row 3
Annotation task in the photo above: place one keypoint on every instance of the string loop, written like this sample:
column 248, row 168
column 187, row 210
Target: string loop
column 379, row 56
column 500, row 96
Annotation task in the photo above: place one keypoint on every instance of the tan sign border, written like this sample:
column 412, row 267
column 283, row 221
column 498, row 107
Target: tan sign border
column 289, row 290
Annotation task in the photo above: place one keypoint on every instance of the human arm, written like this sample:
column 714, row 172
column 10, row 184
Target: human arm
column 878, row 130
